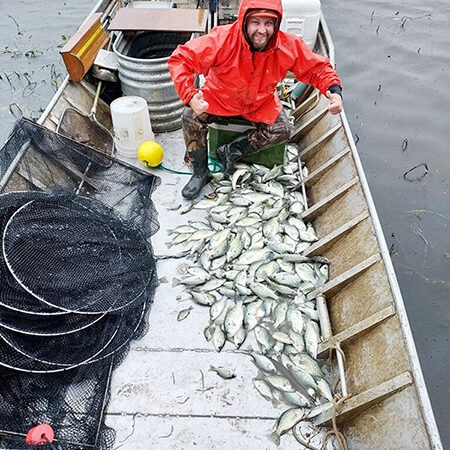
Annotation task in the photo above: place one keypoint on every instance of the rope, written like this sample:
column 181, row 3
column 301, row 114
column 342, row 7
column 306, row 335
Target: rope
column 213, row 166
column 339, row 436
column 301, row 441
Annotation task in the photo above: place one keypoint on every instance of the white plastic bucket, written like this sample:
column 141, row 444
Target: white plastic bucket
column 131, row 123
column 301, row 17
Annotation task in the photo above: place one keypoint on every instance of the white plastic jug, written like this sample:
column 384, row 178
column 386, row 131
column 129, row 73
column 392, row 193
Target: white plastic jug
column 131, row 123
column 301, row 17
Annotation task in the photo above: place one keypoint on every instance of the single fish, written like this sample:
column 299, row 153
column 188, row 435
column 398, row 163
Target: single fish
column 254, row 313
column 297, row 399
column 203, row 298
column 311, row 339
column 250, row 256
column 263, row 388
column 295, row 318
column 209, row 331
column 236, row 247
column 287, row 421
column 201, row 234
column 264, row 363
column 234, row 319
column 314, row 412
column 182, row 229
column 262, row 291
column 218, row 238
column 280, row 383
column 184, row 313
column 218, row 263
column 262, row 336
column 282, row 337
column 211, row 285
column 308, row 364
column 297, row 341
column 239, row 338
column 287, row 279
column 279, row 314
column 218, row 338
column 324, row 389
column 195, row 280
column 224, row 372
column 308, row 236
column 216, row 310
column 208, row 203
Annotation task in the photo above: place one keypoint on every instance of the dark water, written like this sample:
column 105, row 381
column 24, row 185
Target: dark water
column 394, row 62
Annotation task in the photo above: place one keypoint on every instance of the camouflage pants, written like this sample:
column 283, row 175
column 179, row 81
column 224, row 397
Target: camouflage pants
column 195, row 130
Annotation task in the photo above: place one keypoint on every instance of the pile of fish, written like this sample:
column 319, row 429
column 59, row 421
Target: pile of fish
column 251, row 273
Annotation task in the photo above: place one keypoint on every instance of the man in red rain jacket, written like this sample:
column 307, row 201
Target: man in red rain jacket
column 242, row 64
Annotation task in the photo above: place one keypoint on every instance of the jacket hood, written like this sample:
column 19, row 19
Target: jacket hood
column 250, row 5
column 247, row 5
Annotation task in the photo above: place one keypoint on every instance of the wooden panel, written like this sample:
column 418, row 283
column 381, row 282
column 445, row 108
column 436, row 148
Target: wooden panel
column 343, row 209
column 306, row 126
column 170, row 19
column 356, row 330
column 335, row 284
column 361, row 298
column 375, row 357
column 354, row 247
column 328, row 145
column 395, row 423
column 359, row 403
column 324, row 243
column 336, row 175
column 316, row 209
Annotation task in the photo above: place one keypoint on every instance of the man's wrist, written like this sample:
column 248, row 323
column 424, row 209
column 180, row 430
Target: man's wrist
column 335, row 89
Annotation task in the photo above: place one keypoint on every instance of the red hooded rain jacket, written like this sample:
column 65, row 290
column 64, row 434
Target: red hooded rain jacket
column 240, row 82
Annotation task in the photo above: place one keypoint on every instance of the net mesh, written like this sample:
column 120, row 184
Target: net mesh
column 78, row 277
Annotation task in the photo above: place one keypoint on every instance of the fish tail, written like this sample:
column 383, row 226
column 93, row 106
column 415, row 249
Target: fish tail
column 175, row 282
column 274, row 437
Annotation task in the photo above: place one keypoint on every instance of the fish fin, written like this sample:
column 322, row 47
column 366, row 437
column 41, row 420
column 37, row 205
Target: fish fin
column 168, row 244
column 275, row 402
column 274, row 437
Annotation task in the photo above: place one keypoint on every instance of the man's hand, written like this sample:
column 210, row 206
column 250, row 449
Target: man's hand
column 198, row 104
column 335, row 106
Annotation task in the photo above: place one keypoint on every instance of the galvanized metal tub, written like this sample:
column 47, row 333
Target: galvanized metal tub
column 143, row 71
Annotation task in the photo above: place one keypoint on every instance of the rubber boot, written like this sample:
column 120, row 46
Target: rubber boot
column 229, row 154
column 200, row 174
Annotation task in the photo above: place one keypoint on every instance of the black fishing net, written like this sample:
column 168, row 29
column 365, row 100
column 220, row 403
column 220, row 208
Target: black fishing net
column 77, row 278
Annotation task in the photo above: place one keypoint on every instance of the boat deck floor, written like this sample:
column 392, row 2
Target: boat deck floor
column 163, row 395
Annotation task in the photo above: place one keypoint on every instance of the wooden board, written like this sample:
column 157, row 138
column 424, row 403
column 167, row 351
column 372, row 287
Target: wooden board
column 171, row 19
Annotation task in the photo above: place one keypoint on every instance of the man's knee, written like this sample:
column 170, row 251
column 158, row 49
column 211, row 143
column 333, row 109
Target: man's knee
column 283, row 127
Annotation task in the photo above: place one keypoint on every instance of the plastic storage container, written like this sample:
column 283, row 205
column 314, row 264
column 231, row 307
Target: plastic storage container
column 301, row 17
column 131, row 123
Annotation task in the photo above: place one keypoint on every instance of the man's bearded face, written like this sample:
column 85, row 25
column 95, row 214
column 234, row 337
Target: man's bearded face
column 260, row 30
